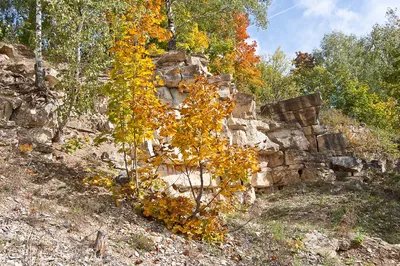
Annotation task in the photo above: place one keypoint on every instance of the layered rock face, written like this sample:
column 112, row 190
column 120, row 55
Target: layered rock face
column 27, row 116
column 292, row 145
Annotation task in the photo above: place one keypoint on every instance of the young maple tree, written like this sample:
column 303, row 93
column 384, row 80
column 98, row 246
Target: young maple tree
column 242, row 61
column 134, row 108
column 204, row 157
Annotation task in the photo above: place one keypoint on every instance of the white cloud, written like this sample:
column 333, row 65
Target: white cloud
column 347, row 21
column 318, row 7
column 302, row 28
column 375, row 11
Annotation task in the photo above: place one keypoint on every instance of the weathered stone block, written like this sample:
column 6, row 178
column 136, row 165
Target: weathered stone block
column 200, row 62
column 347, row 163
column 319, row 129
column 293, row 157
column 289, row 138
column 172, row 57
column 7, row 50
column 303, row 110
column 317, row 174
column 245, row 106
column 189, row 73
column 35, row 116
column 262, row 179
column 285, row 177
column 239, row 137
column 237, row 123
column 308, row 130
column 312, row 139
column 224, row 92
column 227, row 77
column 177, row 96
column 172, row 78
column 165, row 95
column 332, row 141
column 274, row 160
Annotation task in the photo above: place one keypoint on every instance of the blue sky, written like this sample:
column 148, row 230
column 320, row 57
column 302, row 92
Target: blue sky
column 299, row 25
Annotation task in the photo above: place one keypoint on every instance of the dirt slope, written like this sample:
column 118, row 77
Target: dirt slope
column 47, row 217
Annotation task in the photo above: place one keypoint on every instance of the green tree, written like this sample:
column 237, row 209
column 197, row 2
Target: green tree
column 134, row 108
column 214, row 17
column 17, row 21
column 277, row 81
column 79, row 40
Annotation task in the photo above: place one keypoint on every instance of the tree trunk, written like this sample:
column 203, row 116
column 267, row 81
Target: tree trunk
column 39, row 74
column 171, row 26
column 200, row 195
column 135, row 162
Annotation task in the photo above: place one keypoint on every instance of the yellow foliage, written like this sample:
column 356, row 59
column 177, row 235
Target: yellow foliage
column 177, row 212
column 195, row 40
column 134, row 108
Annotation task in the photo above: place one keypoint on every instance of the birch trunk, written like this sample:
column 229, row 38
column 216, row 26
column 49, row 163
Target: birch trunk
column 171, row 26
column 39, row 74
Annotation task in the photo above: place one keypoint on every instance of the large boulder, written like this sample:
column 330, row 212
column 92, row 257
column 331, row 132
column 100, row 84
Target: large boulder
column 254, row 138
column 347, row 164
column 7, row 50
column 31, row 115
column 165, row 95
column 262, row 179
column 332, row 142
column 289, row 137
column 40, row 138
column 172, row 58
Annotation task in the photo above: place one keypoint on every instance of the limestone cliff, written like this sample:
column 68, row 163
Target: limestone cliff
column 292, row 145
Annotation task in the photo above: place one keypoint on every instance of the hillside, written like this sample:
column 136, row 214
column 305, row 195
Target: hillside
column 336, row 216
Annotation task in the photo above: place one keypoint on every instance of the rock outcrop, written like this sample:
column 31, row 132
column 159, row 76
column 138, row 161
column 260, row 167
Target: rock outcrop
column 27, row 115
column 292, row 145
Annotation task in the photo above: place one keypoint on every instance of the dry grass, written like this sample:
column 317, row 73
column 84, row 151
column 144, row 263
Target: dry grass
column 365, row 142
